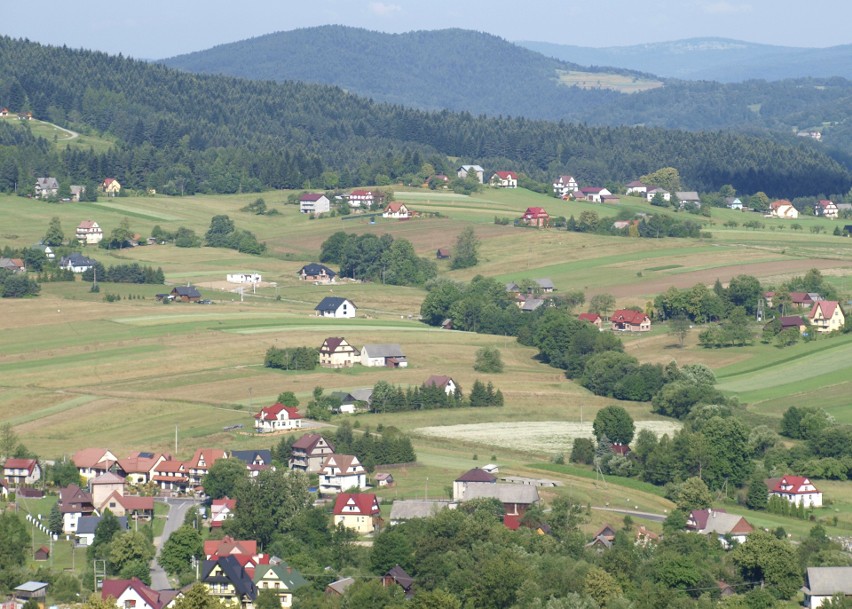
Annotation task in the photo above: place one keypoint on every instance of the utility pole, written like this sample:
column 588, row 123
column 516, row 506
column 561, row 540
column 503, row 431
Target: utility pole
column 176, row 439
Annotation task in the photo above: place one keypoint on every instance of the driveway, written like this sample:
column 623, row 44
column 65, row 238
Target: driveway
column 174, row 519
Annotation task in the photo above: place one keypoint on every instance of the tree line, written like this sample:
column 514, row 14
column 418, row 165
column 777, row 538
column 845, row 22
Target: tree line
column 382, row 259
column 180, row 134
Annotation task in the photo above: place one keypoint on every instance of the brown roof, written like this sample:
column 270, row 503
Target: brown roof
column 343, row 463
column 476, row 475
column 308, row 441
column 88, row 457
column 438, row 380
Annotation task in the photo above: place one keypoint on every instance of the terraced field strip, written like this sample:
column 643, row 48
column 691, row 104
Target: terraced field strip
column 40, row 413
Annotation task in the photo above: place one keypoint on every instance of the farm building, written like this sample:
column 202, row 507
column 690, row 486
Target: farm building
column 388, row 355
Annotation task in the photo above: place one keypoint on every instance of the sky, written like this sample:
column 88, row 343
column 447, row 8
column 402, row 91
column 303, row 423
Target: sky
column 156, row 29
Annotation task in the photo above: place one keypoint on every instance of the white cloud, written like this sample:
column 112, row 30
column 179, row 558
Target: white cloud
column 383, row 8
column 726, row 8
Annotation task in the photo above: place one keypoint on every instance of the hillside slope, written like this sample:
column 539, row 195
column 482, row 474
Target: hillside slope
column 435, row 70
column 719, row 59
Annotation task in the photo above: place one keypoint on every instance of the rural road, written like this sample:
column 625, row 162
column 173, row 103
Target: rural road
column 174, row 519
column 645, row 515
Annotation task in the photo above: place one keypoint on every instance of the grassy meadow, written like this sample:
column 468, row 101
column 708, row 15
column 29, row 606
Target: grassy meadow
column 76, row 371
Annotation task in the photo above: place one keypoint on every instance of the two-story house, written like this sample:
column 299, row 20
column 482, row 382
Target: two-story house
column 21, row 472
column 74, row 503
column 227, row 580
column 827, row 316
column 91, row 462
column 504, row 179
column 314, row 203
column 335, row 352
column 318, row 273
column 565, row 186
column 340, row 473
column 361, row 198
column 46, row 188
column 309, row 452
column 359, row 512
column 89, row 232
column 337, row 307
column 277, row 417
column 798, row 490
column 475, row 170
column 201, row 462
column 396, row 210
column 111, row 187
column 280, row 578
column 826, row 209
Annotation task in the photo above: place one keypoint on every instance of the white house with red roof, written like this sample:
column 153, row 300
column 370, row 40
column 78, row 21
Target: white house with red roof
column 201, row 462
column 314, row 203
column 139, row 467
column 91, row 462
column 228, row 546
column 89, row 232
column 565, row 186
column 827, row 316
column 397, row 211
column 172, row 476
column 135, row 594
column 443, row 382
column 221, row 510
column 798, row 490
column 826, row 209
column 504, row 179
column 594, row 194
column 628, row 320
column 359, row 512
column 592, row 318
column 536, row 216
column 782, row 208
column 277, row 417
column 361, row 198
column 340, row 473
column 21, row 471
column 335, row 352
column 111, row 187
column 636, row 188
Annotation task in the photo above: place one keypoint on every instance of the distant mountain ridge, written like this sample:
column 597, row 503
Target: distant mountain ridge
column 720, row 59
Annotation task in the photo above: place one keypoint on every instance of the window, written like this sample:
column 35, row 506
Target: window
column 130, row 604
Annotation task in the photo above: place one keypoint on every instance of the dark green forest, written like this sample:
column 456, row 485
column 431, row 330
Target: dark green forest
column 182, row 133
column 462, row 70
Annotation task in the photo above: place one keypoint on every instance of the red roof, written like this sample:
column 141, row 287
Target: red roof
column 512, row 522
column 311, row 196
column 27, row 464
column 590, row 317
column 395, row 206
column 365, row 504
column 116, row 587
column 270, row 413
column 438, row 380
column 361, row 193
column 506, row 175
column 591, row 190
column 826, row 306
column 536, row 212
column 228, row 546
column 779, row 203
column 793, row 485
column 476, row 475
column 225, row 502
column 824, row 203
column 628, row 316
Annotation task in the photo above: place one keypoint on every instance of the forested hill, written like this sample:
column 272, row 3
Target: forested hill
column 181, row 133
column 462, row 70
column 435, row 70
column 719, row 59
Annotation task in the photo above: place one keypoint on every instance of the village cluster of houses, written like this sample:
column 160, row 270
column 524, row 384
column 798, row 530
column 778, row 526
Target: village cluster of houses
column 316, row 203
column 48, row 187
column 823, row 316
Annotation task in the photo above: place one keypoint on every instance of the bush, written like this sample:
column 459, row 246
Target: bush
column 488, row 360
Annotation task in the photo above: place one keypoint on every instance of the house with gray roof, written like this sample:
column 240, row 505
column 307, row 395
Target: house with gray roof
column 387, row 355
column 46, row 187
column 409, row 509
column 76, row 263
column 466, row 170
column 822, row 583
column 86, row 526
column 337, row 307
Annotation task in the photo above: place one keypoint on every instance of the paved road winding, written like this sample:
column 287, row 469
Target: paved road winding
column 174, row 519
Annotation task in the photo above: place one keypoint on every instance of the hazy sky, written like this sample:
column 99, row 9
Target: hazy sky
column 154, row 29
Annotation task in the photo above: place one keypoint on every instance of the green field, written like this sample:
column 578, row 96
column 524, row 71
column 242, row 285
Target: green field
column 76, row 371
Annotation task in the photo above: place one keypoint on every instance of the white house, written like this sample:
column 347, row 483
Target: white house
column 340, row 473
column 653, row 192
column 89, row 232
column 21, row 471
column 76, row 263
column 357, row 511
column 636, row 188
column 135, row 594
column 48, row 251
column 277, row 417
column 361, row 198
column 465, row 170
column 798, row 490
column 565, row 186
column 314, row 203
column 243, row 278
column 826, row 209
column 720, row 524
column 783, row 209
column 397, row 211
column 822, row 583
column 444, row 382
column 388, row 355
column 504, row 179
column 688, row 196
column 46, row 187
column 337, row 307
column 594, row 193
column 733, row 203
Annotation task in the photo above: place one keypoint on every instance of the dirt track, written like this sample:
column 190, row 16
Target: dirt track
column 651, row 286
